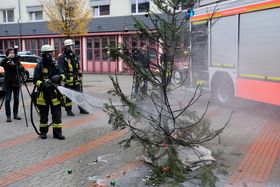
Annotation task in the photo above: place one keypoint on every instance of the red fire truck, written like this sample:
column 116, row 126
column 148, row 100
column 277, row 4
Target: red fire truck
column 235, row 48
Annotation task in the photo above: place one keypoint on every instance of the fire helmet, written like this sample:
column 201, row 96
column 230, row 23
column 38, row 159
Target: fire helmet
column 68, row 42
column 47, row 48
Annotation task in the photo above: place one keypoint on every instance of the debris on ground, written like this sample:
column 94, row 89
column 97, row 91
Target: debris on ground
column 112, row 182
column 103, row 158
column 97, row 180
column 193, row 157
column 69, row 171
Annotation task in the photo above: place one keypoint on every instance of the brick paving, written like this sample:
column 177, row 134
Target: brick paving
column 258, row 163
column 250, row 144
column 45, row 164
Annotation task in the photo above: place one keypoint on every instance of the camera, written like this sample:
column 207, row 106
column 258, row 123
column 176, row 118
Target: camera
column 16, row 58
column 16, row 50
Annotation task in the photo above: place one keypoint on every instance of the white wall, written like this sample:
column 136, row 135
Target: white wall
column 153, row 7
column 11, row 4
column 120, row 7
column 26, row 3
column 117, row 8
column 14, row 4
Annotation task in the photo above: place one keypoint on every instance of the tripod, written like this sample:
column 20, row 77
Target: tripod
column 20, row 79
column 3, row 99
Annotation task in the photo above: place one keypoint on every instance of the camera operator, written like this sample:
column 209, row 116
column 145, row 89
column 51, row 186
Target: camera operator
column 12, row 68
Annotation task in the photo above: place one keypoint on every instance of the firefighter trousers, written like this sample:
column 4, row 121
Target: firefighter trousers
column 68, row 102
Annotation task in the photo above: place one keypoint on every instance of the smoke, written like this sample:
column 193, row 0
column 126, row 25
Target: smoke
column 85, row 101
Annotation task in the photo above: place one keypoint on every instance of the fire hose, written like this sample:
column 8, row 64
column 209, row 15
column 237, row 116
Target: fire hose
column 33, row 97
column 33, row 101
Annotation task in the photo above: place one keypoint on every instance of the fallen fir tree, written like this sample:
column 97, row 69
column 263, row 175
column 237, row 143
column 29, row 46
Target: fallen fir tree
column 160, row 123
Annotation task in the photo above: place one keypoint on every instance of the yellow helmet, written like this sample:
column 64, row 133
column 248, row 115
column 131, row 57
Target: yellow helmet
column 68, row 42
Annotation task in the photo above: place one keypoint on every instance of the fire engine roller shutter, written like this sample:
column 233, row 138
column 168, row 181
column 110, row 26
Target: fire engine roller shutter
column 259, row 55
column 259, row 72
column 224, row 42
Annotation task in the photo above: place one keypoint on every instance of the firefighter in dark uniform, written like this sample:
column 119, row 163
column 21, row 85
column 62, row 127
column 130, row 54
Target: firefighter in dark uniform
column 69, row 63
column 141, row 56
column 46, row 74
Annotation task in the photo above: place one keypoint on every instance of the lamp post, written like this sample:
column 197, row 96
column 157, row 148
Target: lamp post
column 18, row 22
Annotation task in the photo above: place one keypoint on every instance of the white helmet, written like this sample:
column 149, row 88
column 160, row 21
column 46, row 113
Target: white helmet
column 47, row 48
column 68, row 42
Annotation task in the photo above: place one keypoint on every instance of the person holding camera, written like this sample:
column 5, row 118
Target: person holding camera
column 47, row 75
column 13, row 69
column 69, row 63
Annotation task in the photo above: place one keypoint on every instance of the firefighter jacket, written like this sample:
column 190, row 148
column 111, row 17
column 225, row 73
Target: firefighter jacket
column 71, row 67
column 12, row 67
column 142, row 57
column 47, row 92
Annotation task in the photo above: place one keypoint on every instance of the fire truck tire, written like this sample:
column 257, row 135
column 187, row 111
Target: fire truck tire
column 223, row 92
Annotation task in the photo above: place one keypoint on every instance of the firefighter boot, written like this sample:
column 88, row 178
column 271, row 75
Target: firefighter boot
column 9, row 119
column 69, row 111
column 43, row 132
column 83, row 111
column 57, row 133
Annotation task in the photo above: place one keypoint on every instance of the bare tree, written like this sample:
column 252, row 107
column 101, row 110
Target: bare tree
column 68, row 17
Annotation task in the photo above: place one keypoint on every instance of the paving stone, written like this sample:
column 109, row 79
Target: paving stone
column 247, row 121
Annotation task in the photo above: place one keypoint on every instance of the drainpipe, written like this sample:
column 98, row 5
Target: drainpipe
column 19, row 34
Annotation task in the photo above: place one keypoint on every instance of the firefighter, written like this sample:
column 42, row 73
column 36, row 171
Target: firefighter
column 46, row 74
column 69, row 63
column 141, row 56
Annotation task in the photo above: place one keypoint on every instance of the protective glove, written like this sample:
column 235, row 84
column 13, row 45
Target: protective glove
column 56, row 79
column 80, row 74
column 47, row 85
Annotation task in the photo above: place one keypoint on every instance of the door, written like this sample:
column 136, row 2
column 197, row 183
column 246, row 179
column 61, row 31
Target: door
column 199, row 54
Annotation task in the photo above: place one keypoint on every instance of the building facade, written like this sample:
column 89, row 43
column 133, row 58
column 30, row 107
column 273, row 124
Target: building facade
column 24, row 23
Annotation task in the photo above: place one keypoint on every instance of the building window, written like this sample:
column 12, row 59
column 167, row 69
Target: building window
column 101, row 10
column 8, row 15
column 105, row 48
column 36, row 15
column 96, row 48
column 2, row 51
column 77, row 49
column 140, row 6
column 89, row 49
column 113, row 43
column 182, row 6
column 58, row 46
column 5, row 44
column 34, row 45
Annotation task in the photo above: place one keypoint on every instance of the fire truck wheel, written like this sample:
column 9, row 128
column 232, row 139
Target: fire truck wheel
column 223, row 92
